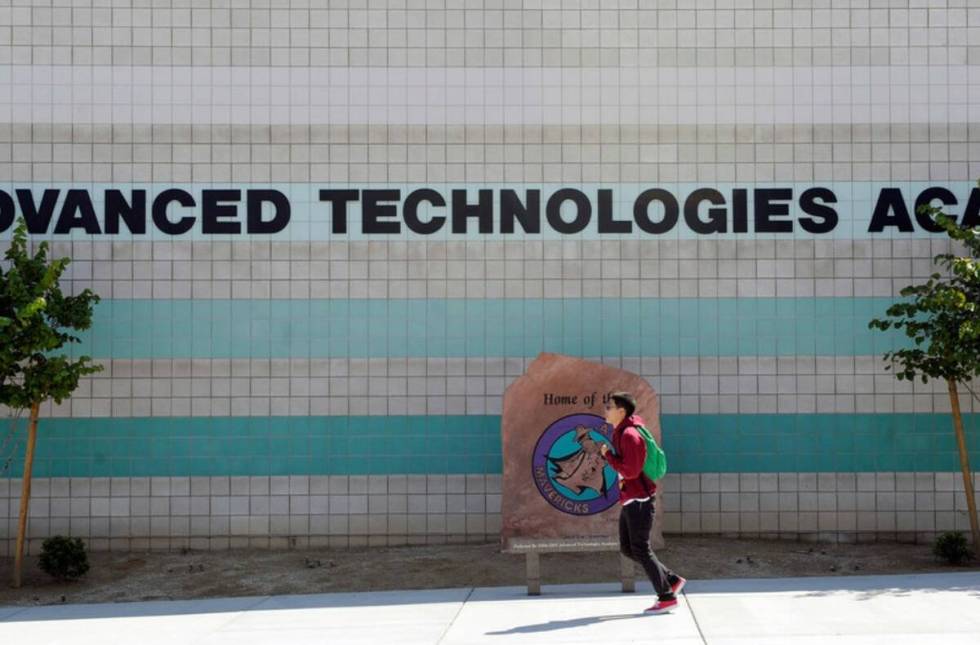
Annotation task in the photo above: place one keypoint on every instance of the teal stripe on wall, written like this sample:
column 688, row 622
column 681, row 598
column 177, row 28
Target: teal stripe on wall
column 140, row 329
column 135, row 447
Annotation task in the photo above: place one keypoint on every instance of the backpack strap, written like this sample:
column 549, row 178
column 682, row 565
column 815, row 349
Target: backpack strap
column 648, row 484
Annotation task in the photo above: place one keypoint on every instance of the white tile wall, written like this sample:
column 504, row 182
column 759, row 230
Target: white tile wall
column 411, row 92
column 342, row 511
column 303, row 387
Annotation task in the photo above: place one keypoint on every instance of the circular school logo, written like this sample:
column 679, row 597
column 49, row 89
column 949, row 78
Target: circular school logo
column 568, row 468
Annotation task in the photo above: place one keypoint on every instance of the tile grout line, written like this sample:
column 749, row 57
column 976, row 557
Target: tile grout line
column 452, row 622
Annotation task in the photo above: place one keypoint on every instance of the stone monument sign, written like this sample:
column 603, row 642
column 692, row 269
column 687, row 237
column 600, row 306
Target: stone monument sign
column 556, row 484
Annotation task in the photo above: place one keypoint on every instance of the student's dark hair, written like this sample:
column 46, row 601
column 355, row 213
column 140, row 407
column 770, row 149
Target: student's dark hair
column 624, row 400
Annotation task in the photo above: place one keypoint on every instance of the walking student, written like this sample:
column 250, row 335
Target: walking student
column 637, row 497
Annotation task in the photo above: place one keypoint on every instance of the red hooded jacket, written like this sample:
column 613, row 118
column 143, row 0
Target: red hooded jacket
column 627, row 457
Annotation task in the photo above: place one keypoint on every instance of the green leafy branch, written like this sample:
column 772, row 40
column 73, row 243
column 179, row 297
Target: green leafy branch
column 940, row 316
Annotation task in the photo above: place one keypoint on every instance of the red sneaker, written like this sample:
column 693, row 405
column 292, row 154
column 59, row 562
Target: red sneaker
column 678, row 585
column 662, row 607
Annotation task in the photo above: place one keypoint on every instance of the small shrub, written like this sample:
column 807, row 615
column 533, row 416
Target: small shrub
column 63, row 557
column 951, row 546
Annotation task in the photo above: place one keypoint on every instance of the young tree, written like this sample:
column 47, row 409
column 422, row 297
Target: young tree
column 36, row 320
column 942, row 318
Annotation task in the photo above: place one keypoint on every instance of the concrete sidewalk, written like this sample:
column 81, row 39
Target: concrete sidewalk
column 919, row 609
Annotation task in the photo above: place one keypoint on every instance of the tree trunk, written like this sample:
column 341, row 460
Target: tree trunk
column 971, row 503
column 25, row 494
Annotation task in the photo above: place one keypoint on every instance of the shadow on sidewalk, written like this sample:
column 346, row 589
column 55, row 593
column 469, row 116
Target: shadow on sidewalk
column 571, row 623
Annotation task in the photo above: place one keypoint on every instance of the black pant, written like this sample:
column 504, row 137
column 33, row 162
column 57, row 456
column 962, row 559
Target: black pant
column 635, row 523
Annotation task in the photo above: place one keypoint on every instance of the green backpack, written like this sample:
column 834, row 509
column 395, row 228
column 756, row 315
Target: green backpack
column 655, row 465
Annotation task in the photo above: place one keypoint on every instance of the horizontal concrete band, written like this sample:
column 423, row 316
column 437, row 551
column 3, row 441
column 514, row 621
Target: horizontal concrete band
column 453, row 444
column 450, row 328
column 557, row 56
column 488, row 152
column 614, row 251
column 478, row 289
column 668, row 167
column 223, row 512
column 389, row 33
column 588, row 34
column 426, row 386
column 851, row 140
column 548, row 270
column 455, row 95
